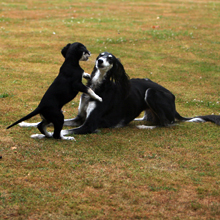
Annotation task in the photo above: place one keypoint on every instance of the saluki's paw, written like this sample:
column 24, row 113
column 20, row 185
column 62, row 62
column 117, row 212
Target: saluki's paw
column 64, row 132
column 38, row 136
column 145, row 127
column 26, row 124
column 97, row 131
column 68, row 138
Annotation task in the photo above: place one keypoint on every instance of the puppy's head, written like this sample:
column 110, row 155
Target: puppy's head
column 76, row 50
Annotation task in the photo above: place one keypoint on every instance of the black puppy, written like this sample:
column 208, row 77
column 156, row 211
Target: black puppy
column 64, row 88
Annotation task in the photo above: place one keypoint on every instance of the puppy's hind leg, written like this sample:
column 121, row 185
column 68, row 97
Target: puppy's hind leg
column 58, row 125
column 42, row 127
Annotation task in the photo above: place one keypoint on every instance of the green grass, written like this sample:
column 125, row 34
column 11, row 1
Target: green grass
column 123, row 173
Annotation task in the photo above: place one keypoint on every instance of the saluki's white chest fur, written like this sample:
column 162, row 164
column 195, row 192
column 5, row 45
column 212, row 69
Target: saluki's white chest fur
column 97, row 79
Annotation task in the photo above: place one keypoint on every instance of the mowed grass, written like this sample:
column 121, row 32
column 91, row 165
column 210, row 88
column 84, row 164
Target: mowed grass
column 126, row 173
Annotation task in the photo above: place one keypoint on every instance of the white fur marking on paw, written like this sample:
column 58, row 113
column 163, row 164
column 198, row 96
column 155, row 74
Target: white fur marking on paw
column 64, row 132
column 93, row 95
column 145, row 127
column 38, row 136
column 86, row 75
column 68, row 138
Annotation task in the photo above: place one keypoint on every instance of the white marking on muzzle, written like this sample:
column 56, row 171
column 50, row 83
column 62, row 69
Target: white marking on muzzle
column 85, row 56
column 104, row 66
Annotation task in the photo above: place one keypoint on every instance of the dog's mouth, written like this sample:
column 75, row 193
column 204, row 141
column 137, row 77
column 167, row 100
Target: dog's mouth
column 100, row 66
column 101, row 63
column 103, row 67
column 85, row 56
column 104, row 61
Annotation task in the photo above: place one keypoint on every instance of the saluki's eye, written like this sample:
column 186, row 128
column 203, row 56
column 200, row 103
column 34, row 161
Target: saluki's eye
column 110, row 57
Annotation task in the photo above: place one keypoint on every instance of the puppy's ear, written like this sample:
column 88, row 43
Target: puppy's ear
column 65, row 49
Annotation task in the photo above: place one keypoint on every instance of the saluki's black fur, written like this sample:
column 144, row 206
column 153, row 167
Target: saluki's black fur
column 124, row 100
column 64, row 88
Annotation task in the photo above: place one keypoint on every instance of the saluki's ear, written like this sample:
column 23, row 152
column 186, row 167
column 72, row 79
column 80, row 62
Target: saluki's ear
column 118, row 75
column 65, row 49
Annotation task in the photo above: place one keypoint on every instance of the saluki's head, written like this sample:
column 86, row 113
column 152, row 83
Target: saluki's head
column 77, row 51
column 104, row 62
column 112, row 69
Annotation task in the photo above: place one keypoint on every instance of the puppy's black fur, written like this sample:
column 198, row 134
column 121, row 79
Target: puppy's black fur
column 124, row 100
column 64, row 88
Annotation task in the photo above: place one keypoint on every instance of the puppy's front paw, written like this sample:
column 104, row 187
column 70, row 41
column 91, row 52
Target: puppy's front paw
column 86, row 76
column 100, row 99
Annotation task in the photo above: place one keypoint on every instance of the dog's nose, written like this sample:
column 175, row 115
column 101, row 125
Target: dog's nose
column 100, row 61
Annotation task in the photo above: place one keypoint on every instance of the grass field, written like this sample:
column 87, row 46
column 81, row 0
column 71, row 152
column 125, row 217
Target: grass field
column 124, row 173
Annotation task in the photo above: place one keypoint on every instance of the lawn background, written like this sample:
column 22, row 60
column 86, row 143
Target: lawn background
column 124, row 173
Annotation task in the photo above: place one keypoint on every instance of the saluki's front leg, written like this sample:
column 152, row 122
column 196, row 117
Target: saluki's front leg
column 81, row 116
column 94, row 113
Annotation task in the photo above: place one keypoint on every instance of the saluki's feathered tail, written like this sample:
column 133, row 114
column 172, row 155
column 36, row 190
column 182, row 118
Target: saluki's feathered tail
column 211, row 118
column 35, row 112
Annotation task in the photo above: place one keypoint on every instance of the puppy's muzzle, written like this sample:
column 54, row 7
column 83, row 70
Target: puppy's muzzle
column 85, row 56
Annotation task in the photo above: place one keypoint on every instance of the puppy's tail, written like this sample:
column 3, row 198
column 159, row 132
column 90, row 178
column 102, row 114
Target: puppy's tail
column 35, row 112
column 205, row 118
